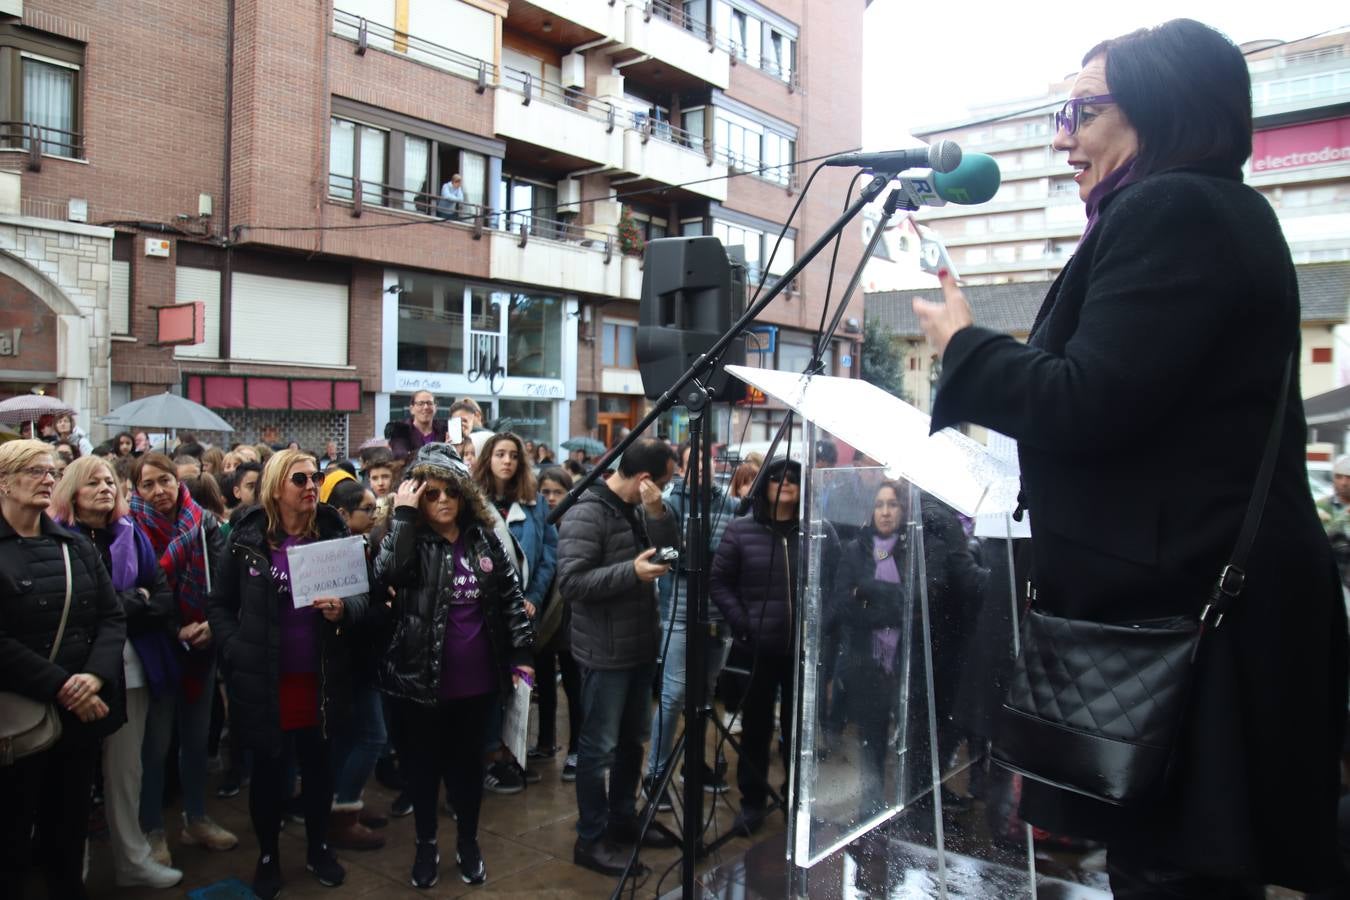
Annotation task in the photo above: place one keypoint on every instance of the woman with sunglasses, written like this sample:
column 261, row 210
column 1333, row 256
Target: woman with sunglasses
column 287, row 668
column 460, row 639
column 1169, row 334
column 88, row 501
column 61, row 637
column 188, row 542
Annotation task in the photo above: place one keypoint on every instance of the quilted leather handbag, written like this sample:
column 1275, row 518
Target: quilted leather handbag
column 1095, row 708
column 27, row 726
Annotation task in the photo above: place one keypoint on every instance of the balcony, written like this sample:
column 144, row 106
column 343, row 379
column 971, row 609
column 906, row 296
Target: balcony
column 37, row 141
column 663, row 32
column 585, row 129
column 661, row 153
column 601, row 17
column 563, row 256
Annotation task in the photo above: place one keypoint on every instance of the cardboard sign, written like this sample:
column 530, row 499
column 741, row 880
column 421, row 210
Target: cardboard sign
column 335, row 568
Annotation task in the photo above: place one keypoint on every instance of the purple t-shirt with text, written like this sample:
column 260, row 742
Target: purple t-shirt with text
column 299, row 631
column 466, row 660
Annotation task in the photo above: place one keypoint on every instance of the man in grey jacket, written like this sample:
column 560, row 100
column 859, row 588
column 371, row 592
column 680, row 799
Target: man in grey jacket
column 606, row 571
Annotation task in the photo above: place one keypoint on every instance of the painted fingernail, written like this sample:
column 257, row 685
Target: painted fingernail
column 943, row 273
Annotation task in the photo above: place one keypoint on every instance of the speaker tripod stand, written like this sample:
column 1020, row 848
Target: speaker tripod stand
column 689, row 390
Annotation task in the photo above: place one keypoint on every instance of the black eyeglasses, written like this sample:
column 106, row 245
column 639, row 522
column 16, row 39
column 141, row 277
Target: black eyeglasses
column 787, row 477
column 300, row 479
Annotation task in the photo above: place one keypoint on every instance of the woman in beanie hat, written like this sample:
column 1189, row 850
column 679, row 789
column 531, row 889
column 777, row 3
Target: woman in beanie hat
column 460, row 637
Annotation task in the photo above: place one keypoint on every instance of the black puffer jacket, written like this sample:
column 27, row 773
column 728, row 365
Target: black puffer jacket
column 412, row 560
column 615, row 620
column 33, row 591
column 245, row 617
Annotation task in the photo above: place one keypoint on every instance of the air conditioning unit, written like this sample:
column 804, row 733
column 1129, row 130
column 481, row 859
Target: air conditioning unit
column 569, row 196
column 573, row 71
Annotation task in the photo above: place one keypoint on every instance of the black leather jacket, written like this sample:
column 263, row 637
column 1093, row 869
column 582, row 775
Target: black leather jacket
column 412, row 560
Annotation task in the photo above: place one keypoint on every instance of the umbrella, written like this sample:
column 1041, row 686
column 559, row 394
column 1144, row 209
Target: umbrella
column 30, row 407
column 7, row 434
column 166, row 411
column 584, row 442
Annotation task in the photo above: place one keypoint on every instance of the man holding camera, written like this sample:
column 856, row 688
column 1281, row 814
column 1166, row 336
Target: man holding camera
column 607, row 571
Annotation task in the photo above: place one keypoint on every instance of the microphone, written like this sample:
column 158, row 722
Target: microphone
column 943, row 156
column 975, row 180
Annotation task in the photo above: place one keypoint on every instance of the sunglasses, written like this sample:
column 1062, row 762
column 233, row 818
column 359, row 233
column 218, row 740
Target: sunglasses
column 431, row 495
column 787, row 477
column 300, row 479
column 1070, row 115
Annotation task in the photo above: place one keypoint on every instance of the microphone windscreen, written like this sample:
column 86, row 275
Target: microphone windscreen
column 975, row 180
column 944, row 156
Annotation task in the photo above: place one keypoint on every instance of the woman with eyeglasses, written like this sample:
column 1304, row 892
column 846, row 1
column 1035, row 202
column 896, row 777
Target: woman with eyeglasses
column 61, row 637
column 460, row 640
column 88, row 501
column 287, row 668
column 1166, row 336
column 357, row 746
column 188, row 542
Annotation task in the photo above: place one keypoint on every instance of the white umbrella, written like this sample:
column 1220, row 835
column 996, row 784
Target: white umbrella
column 166, row 411
column 30, row 407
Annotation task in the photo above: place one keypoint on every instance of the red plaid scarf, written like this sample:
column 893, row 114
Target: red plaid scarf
column 181, row 547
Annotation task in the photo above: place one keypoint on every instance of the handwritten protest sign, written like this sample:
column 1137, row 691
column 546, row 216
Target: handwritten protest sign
column 334, row 568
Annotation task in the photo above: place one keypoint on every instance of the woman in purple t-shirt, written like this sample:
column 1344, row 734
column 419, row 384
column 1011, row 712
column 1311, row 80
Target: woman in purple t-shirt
column 460, row 638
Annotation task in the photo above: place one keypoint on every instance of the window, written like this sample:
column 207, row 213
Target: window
column 618, row 347
column 416, row 174
column 40, row 87
column 534, row 332
column 532, row 205
column 780, row 55
column 430, row 323
column 351, row 147
column 779, row 154
column 757, row 245
column 693, row 122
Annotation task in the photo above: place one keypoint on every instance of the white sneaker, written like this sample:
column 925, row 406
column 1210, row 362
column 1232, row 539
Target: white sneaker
column 149, row 874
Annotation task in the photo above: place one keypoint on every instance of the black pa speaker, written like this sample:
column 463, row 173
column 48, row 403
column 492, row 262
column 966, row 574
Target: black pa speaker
column 691, row 294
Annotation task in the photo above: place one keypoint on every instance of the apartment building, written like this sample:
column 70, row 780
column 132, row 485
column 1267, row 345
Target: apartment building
column 1300, row 161
column 278, row 169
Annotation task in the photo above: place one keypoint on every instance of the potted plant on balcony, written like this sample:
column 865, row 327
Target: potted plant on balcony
column 631, row 242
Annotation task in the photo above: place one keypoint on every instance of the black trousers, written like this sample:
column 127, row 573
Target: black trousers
column 546, row 663
column 51, row 790
column 770, row 678
column 445, row 741
column 268, row 791
column 1136, row 877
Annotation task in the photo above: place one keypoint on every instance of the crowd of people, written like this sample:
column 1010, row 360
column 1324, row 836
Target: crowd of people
column 154, row 615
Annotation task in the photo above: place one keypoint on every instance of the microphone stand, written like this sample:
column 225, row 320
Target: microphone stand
column 689, row 389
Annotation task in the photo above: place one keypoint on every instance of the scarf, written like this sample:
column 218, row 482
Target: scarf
column 180, row 544
column 1108, row 185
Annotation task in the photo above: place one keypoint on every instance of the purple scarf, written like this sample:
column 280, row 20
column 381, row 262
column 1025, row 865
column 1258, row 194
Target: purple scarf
column 1108, row 185
column 886, row 640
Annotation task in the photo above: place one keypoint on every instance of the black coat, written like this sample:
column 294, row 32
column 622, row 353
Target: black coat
column 1141, row 407
column 413, row 561
column 615, row 620
column 33, row 592
column 245, row 616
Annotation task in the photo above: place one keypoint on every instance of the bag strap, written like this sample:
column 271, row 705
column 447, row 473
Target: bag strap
column 65, row 610
column 1233, row 577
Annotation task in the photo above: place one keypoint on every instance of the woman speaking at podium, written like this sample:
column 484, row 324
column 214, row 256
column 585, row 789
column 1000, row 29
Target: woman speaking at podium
column 1142, row 405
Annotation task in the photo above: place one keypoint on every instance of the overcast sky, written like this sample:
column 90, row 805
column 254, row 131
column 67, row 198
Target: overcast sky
column 921, row 70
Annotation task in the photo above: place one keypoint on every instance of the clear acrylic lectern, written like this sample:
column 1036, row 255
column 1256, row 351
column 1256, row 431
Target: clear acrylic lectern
column 907, row 631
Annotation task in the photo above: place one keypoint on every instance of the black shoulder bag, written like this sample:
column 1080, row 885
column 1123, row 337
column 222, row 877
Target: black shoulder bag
column 1096, row 708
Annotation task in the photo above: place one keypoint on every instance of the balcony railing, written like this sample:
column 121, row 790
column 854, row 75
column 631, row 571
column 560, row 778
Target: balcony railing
column 41, row 140
column 368, row 34
column 530, row 87
column 652, row 127
column 525, row 223
column 676, row 15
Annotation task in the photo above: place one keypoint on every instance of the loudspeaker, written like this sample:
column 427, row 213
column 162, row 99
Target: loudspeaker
column 592, row 412
column 691, row 294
